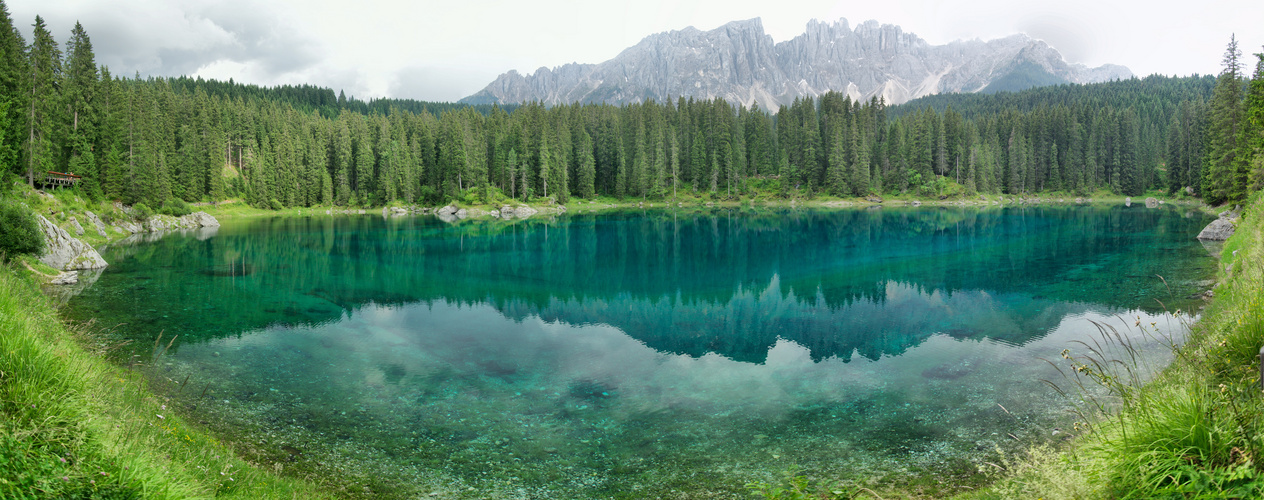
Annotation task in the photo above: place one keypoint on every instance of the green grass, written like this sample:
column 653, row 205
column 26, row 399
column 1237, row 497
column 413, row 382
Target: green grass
column 74, row 426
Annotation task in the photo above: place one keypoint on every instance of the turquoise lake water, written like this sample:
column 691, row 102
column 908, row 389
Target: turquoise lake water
column 640, row 354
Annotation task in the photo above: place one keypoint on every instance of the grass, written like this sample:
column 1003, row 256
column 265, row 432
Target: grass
column 74, row 426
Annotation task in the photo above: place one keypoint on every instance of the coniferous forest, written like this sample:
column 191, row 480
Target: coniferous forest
column 153, row 140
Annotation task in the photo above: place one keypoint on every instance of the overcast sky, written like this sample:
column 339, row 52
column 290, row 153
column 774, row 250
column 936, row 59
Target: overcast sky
column 445, row 50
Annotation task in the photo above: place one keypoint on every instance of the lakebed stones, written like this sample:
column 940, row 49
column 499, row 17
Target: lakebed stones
column 64, row 252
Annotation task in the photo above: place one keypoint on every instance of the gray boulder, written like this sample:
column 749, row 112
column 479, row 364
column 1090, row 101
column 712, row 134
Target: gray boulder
column 74, row 223
column 65, row 278
column 1219, row 230
column 1152, row 203
column 200, row 219
column 64, row 252
column 96, row 222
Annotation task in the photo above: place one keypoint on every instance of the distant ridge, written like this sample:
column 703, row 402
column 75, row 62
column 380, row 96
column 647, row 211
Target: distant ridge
column 740, row 63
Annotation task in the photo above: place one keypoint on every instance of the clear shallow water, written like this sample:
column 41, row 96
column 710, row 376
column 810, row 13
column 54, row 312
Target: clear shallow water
column 640, row 354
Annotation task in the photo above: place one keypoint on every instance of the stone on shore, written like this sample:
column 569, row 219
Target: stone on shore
column 64, row 252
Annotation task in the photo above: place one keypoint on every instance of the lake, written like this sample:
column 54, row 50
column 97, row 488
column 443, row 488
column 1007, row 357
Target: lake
column 641, row 354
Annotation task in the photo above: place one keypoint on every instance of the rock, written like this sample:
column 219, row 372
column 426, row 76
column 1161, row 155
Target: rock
column 875, row 199
column 1228, row 214
column 1219, row 230
column 1128, row 201
column 130, row 227
column 1152, row 203
column 741, row 63
column 74, row 223
column 448, row 210
column 96, row 222
column 202, row 219
column 524, row 212
column 65, row 278
column 462, row 213
column 65, row 252
column 915, row 203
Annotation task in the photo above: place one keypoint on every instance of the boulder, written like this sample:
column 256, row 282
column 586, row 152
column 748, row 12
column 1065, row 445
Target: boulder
column 1152, row 203
column 129, row 226
column 448, row 210
column 65, row 278
column 1219, row 230
column 1128, row 201
column 524, row 212
column 65, row 252
column 74, row 223
column 96, row 222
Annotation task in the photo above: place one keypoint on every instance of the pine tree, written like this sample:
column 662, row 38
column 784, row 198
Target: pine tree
column 1252, row 143
column 586, row 177
column 45, row 72
column 1222, row 180
column 14, row 95
column 836, row 174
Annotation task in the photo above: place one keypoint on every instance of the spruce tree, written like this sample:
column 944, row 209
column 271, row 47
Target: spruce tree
column 44, row 73
column 14, row 96
column 1222, row 180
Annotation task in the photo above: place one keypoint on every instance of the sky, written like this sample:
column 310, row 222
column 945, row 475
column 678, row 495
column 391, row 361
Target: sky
column 445, row 50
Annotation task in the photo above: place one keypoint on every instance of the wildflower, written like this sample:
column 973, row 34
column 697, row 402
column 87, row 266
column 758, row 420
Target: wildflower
column 63, row 459
column 64, row 478
column 162, row 417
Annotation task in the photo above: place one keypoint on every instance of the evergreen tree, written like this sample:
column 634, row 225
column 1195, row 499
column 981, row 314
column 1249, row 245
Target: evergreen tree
column 14, row 96
column 1223, row 180
column 45, row 72
column 1252, row 142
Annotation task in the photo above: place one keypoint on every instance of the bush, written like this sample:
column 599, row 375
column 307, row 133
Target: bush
column 276, row 205
column 141, row 212
column 19, row 232
column 176, row 207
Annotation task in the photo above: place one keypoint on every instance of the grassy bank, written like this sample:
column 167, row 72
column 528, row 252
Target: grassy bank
column 73, row 425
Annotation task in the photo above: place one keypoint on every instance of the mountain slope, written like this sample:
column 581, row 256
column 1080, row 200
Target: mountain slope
column 741, row 64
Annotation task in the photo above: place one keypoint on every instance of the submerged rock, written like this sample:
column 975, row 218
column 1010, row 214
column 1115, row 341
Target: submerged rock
column 65, row 252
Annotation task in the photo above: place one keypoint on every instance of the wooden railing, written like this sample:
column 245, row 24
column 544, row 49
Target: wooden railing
column 60, row 179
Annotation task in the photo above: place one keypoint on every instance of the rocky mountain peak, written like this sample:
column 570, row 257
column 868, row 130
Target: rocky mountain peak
column 740, row 63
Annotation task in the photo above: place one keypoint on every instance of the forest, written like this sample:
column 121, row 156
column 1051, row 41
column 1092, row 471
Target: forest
column 155, row 140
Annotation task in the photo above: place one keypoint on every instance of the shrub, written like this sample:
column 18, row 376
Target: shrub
column 276, row 205
column 141, row 212
column 176, row 207
column 19, row 232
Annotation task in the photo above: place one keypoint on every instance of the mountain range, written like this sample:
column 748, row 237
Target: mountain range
column 740, row 63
